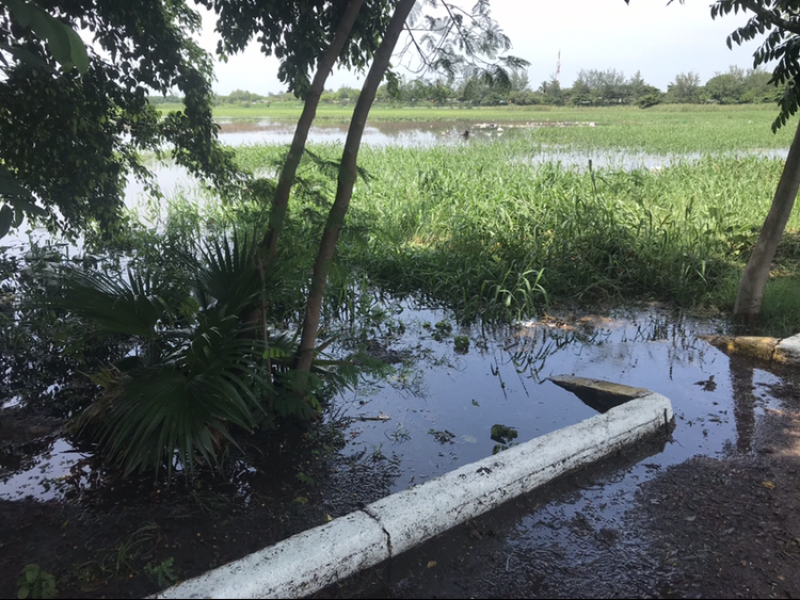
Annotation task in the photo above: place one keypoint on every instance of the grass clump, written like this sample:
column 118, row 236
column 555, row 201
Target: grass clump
column 486, row 230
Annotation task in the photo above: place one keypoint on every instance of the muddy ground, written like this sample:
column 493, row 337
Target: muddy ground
column 724, row 527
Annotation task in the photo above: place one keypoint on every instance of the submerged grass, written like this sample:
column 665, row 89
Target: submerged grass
column 495, row 227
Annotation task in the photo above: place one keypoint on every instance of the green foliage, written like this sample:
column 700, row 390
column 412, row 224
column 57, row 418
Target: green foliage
column 162, row 574
column 780, row 24
column 685, row 89
column 96, row 119
column 487, row 230
column 36, row 583
column 298, row 32
column 63, row 42
column 198, row 365
column 461, row 344
column 503, row 434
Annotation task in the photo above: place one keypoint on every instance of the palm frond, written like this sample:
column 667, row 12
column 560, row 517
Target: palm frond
column 129, row 305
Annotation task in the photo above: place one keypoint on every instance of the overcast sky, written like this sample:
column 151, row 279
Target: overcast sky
column 647, row 35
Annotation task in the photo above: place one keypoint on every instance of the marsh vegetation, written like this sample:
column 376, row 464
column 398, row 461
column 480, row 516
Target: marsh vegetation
column 446, row 242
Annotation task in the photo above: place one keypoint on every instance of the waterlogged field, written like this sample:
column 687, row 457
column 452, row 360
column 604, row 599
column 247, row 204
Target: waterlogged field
column 503, row 226
column 660, row 129
column 469, row 271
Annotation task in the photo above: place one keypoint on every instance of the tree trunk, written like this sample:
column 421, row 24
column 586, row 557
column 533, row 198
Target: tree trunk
column 280, row 201
column 756, row 273
column 347, row 178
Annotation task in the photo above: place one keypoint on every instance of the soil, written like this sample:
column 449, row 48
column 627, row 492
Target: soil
column 725, row 527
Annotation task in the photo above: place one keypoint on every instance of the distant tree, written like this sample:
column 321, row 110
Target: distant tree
column 685, row 89
column 600, row 87
column 440, row 92
column 642, row 93
column 612, row 87
column 552, row 92
column 581, row 92
column 758, row 87
column 347, row 94
column 241, row 97
column 726, row 88
column 519, row 81
column 170, row 99
column 526, row 98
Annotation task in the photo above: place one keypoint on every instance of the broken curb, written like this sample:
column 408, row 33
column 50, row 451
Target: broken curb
column 783, row 351
column 599, row 394
column 314, row 559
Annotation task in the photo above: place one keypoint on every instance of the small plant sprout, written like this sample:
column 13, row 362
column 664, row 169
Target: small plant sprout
column 161, row 574
column 461, row 344
column 36, row 583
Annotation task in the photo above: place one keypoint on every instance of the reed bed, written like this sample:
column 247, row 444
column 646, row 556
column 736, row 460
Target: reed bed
column 489, row 229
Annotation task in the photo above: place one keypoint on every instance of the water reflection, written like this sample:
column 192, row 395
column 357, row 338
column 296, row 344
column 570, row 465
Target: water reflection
column 742, row 372
column 437, row 409
column 502, row 379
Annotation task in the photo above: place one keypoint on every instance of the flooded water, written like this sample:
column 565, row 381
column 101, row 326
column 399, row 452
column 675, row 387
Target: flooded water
column 452, row 384
column 436, row 413
column 39, row 472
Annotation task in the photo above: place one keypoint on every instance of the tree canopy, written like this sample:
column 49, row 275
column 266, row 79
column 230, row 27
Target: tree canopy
column 69, row 139
column 780, row 21
column 298, row 32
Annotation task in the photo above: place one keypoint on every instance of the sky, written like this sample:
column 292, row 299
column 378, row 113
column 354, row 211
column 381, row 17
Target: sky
column 648, row 36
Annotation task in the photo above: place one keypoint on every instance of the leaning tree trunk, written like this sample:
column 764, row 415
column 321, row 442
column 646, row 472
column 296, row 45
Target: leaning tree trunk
column 347, row 178
column 756, row 273
column 280, row 201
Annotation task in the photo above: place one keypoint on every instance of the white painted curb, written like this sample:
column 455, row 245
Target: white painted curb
column 307, row 562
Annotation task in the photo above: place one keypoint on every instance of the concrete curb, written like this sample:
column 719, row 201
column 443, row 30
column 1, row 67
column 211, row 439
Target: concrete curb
column 307, row 562
column 785, row 351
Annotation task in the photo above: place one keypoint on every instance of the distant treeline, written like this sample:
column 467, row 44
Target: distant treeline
column 591, row 88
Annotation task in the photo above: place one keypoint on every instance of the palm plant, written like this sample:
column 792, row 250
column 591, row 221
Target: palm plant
column 197, row 366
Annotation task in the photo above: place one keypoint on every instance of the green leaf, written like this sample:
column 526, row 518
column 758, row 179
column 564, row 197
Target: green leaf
column 28, row 207
column 41, row 24
column 9, row 186
column 78, row 54
column 32, row 573
column 6, row 218
column 24, row 56
column 21, row 11
column 24, row 592
column 58, row 40
column 63, row 41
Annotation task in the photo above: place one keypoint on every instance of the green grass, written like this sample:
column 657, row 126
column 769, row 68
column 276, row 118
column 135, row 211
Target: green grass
column 486, row 229
column 663, row 128
column 480, row 228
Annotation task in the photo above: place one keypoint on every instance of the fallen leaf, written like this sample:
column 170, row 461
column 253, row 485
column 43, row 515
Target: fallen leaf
column 768, row 484
column 431, row 564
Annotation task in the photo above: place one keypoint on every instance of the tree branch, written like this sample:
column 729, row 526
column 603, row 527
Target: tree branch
column 770, row 17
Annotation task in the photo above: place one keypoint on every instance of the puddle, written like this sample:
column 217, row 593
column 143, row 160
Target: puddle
column 574, row 534
column 38, row 475
column 452, row 384
column 436, row 413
